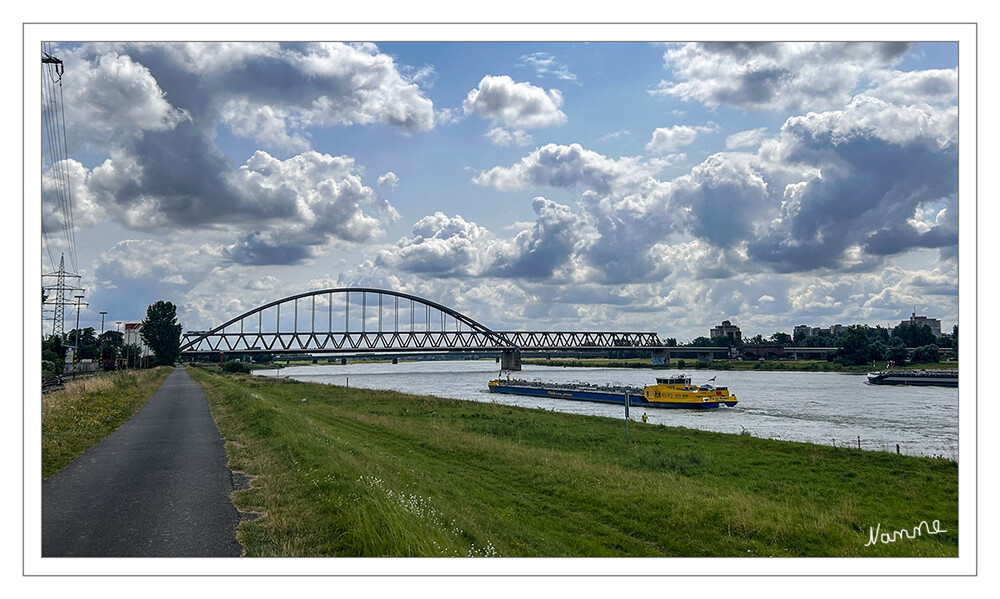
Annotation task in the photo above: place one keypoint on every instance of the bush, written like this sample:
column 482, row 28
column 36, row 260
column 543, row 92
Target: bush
column 236, row 366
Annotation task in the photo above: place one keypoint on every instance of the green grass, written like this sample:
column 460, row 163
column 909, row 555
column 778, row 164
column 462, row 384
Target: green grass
column 87, row 410
column 352, row 472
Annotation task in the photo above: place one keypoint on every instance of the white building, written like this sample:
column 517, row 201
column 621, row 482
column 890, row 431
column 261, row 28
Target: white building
column 133, row 336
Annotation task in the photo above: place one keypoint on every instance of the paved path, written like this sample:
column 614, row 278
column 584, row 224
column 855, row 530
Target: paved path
column 157, row 487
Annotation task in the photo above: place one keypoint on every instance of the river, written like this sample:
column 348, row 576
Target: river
column 816, row 407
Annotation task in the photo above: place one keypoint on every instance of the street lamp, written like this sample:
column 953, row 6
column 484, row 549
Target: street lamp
column 100, row 352
column 76, row 350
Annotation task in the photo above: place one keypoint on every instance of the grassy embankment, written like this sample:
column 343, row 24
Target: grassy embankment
column 787, row 365
column 85, row 411
column 353, row 472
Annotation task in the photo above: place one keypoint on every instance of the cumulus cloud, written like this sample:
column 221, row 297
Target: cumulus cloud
column 318, row 197
column 669, row 139
column 773, row 75
column 450, row 246
column 516, row 105
column 112, row 96
column 388, row 181
column 723, row 199
column 266, row 124
column 836, row 190
column 502, row 137
column 876, row 164
column 569, row 166
column 86, row 207
column 153, row 110
column 539, row 252
column 746, row 139
column 444, row 246
column 936, row 87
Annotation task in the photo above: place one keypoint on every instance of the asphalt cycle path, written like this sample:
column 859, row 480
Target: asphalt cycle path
column 157, row 487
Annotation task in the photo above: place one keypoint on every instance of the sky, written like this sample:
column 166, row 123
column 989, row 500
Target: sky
column 634, row 186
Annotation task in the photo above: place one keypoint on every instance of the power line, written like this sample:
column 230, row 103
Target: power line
column 54, row 124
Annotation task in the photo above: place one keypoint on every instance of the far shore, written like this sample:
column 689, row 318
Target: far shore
column 644, row 363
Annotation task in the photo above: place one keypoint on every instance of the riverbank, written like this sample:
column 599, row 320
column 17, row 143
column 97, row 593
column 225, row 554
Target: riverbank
column 737, row 365
column 354, row 472
column 86, row 410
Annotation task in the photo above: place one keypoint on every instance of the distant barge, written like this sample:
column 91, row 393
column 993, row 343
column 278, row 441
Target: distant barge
column 938, row 378
column 669, row 392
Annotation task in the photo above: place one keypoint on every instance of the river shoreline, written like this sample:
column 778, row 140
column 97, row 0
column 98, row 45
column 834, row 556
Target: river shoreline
column 645, row 364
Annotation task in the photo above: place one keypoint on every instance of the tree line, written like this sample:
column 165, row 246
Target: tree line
column 860, row 344
column 161, row 333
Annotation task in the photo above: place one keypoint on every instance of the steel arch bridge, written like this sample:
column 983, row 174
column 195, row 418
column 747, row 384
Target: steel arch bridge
column 382, row 321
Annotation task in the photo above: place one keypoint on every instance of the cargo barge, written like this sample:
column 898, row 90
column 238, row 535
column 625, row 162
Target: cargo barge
column 668, row 392
column 939, row 378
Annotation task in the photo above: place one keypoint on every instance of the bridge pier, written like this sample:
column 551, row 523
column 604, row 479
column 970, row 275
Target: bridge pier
column 510, row 359
column 660, row 357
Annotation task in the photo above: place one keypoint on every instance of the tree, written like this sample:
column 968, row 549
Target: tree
column 896, row 352
column 780, row 338
column 926, row 353
column 112, row 338
column 913, row 334
column 53, row 355
column 855, row 349
column 162, row 333
column 954, row 339
column 87, row 341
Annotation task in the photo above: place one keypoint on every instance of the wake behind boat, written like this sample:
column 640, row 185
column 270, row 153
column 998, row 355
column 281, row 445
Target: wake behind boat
column 668, row 392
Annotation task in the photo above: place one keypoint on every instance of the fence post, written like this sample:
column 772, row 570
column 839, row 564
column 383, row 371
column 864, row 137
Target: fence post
column 626, row 415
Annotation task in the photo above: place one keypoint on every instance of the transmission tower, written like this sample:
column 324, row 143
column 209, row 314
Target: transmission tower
column 56, row 295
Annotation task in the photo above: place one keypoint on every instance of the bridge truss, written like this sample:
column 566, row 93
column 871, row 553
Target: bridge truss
column 366, row 320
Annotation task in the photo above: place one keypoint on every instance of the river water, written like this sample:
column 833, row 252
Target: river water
column 814, row 407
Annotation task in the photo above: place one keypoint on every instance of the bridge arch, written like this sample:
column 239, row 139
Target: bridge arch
column 361, row 329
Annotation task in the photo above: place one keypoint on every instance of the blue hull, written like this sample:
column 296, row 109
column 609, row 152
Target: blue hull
column 636, row 401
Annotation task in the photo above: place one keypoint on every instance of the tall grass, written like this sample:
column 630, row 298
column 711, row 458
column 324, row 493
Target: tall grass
column 86, row 410
column 352, row 472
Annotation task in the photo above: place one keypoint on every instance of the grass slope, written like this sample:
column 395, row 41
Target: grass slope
column 85, row 411
column 353, row 472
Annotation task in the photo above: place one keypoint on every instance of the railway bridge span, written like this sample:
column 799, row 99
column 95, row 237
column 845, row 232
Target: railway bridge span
column 352, row 320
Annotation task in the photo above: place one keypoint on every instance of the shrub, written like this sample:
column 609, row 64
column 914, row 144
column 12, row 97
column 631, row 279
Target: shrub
column 236, row 366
